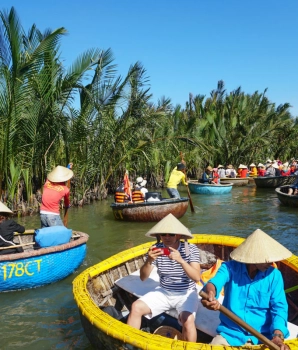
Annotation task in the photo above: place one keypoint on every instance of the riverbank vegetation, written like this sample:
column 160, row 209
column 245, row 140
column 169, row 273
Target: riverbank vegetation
column 105, row 124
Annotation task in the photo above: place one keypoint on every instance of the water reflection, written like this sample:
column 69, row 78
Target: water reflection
column 47, row 317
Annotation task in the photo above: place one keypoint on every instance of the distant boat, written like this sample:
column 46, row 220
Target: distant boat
column 36, row 267
column 274, row 181
column 150, row 211
column 236, row 181
column 285, row 198
column 196, row 187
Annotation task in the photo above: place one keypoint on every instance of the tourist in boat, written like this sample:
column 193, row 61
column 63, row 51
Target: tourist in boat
column 230, row 171
column 221, row 171
column 254, row 291
column 285, row 171
column 276, row 168
column 179, row 271
column 215, row 176
column 54, row 190
column 207, row 176
column 270, row 171
column 293, row 189
column 253, row 170
column 139, row 192
column 261, row 169
column 242, row 171
column 177, row 176
column 7, row 229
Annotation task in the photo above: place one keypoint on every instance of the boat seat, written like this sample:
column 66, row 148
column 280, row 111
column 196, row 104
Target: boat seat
column 206, row 320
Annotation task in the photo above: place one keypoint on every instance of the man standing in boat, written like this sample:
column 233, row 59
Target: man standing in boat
column 254, row 291
column 177, row 176
column 178, row 265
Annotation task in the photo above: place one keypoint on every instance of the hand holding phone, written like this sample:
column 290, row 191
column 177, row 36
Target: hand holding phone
column 164, row 251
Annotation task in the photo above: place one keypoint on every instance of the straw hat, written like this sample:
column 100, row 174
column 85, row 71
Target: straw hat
column 242, row 166
column 140, row 181
column 230, row 166
column 60, row 174
column 169, row 224
column 260, row 165
column 4, row 209
column 252, row 165
column 220, row 166
column 169, row 332
column 260, row 248
column 209, row 168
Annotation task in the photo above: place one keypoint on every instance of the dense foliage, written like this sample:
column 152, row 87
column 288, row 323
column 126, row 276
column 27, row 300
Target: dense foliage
column 86, row 114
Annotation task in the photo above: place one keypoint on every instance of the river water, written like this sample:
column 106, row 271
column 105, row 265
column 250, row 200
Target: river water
column 47, row 317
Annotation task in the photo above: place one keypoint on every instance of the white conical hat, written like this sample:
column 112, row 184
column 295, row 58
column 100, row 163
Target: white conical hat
column 4, row 209
column 169, row 224
column 60, row 174
column 260, row 248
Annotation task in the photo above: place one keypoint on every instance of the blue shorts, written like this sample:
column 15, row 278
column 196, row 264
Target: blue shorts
column 173, row 193
column 48, row 220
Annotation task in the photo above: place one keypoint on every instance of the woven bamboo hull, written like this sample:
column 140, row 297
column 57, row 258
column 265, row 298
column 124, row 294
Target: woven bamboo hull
column 274, row 181
column 35, row 268
column 150, row 211
column 286, row 199
column 94, row 288
column 238, row 181
column 198, row 188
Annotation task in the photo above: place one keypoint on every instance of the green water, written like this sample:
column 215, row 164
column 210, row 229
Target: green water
column 47, row 317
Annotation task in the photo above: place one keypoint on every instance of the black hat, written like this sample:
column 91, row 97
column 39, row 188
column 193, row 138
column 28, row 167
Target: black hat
column 180, row 166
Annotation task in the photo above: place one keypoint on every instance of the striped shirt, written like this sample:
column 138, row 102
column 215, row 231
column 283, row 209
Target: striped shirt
column 171, row 274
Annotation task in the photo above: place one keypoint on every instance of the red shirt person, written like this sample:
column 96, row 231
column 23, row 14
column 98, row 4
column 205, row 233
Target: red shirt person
column 54, row 190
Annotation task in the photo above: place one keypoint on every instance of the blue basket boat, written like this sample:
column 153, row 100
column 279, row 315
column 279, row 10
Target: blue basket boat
column 196, row 187
column 37, row 267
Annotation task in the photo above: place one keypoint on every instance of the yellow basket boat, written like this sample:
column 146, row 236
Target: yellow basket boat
column 95, row 289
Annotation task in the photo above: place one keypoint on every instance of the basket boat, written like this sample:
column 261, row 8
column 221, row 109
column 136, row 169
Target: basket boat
column 237, row 181
column 95, row 288
column 274, row 181
column 150, row 211
column 199, row 188
column 37, row 267
column 285, row 198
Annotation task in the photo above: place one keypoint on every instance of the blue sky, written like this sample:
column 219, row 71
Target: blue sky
column 185, row 46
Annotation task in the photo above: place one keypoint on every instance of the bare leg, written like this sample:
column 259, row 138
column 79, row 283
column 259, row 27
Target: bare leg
column 290, row 191
column 138, row 309
column 189, row 331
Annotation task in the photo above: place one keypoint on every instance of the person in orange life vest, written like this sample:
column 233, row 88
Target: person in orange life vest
column 243, row 169
column 138, row 195
column 285, row 170
column 215, row 176
column 120, row 195
column 54, row 190
column 261, row 169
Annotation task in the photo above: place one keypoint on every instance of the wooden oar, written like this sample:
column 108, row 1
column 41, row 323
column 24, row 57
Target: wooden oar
column 188, row 192
column 243, row 324
column 17, row 246
column 65, row 220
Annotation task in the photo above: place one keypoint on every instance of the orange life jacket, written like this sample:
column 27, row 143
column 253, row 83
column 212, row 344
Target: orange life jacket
column 137, row 197
column 120, row 197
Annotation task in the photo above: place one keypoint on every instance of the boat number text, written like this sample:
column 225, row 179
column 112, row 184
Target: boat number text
column 118, row 214
column 19, row 269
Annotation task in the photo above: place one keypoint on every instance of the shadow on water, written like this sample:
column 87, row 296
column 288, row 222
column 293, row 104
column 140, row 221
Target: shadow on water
column 48, row 318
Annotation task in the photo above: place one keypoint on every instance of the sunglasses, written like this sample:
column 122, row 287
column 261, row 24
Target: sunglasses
column 168, row 234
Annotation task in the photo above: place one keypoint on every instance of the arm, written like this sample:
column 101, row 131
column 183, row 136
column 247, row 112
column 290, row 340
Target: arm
column 211, row 303
column 183, row 179
column 192, row 269
column 146, row 269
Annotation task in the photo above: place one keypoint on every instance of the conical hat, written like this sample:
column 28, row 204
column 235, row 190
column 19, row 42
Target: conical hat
column 60, row 174
column 169, row 224
column 242, row 166
column 260, row 248
column 4, row 209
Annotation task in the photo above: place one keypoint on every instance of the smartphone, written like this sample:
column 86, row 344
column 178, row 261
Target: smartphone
column 165, row 251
